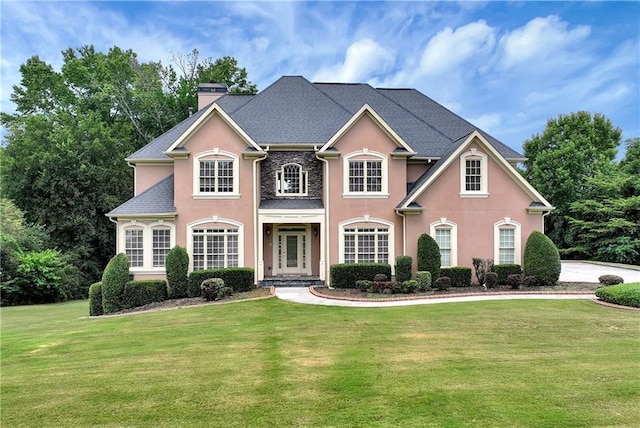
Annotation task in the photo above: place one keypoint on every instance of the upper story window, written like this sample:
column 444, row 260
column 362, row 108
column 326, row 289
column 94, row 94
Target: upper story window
column 216, row 175
column 365, row 175
column 473, row 174
column 291, row 180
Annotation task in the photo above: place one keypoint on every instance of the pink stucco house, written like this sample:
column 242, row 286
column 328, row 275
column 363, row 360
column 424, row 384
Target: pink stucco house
column 304, row 175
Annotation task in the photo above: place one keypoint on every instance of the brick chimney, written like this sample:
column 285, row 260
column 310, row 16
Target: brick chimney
column 209, row 92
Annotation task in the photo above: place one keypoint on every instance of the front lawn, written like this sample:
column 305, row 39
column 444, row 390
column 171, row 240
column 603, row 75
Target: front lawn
column 275, row 363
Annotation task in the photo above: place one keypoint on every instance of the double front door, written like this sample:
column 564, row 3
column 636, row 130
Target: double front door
column 291, row 251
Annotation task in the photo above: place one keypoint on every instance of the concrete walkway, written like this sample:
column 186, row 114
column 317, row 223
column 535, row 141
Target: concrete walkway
column 571, row 272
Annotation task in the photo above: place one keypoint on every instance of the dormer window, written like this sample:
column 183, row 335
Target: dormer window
column 291, row 180
column 215, row 175
column 473, row 175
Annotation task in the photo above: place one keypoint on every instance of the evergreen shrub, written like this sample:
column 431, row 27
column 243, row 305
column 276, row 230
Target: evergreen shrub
column 345, row 275
column 239, row 279
column 428, row 255
column 404, row 266
column 491, row 279
column 621, row 294
column 503, row 272
column 143, row 292
column 95, row 299
column 443, row 283
column 177, row 265
column 541, row 259
column 424, row 280
column 114, row 278
column 610, row 280
column 514, row 281
column 460, row 276
column 214, row 289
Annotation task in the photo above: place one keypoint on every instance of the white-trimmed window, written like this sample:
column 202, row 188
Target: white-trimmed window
column 215, row 175
column 291, row 180
column 161, row 244
column 146, row 244
column 365, row 174
column 445, row 233
column 134, row 247
column 366, row 240
column 215, row 248
column 473, row 174
column 507, row 241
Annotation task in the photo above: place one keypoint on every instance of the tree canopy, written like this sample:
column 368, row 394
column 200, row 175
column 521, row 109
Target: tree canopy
column 64, row 150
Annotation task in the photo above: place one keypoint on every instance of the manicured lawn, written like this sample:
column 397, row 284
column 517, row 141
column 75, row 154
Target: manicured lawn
column 273, row 363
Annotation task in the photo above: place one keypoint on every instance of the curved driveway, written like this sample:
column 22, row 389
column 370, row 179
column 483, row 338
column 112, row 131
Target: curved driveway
column 571, row 272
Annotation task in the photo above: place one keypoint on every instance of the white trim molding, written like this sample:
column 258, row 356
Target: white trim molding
column 444, row 223
column 365, row 155
column 213, row 221
column 507, row 223
column 365, row 221
column 216, row 155
column 147, row 243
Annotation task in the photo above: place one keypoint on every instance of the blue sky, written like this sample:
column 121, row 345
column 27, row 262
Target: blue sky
column 505, row 66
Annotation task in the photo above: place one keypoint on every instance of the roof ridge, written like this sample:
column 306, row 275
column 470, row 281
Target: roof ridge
column 331, row 98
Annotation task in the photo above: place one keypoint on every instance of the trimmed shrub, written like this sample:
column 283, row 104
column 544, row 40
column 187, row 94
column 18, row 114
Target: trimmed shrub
column 491, row 279
column 514, row 281
column 460, row 276
column 177, row 272
column 239, row 279
column 380, row 277
column 386, row 287
column 142, row 292
column 530, row 281
column 424, row 280
column 363, row 285
column 482, row 267
column 410, row 286
column 403, row 268
column 428, row 255
column 541, row 259
column 214, row 289
column 95, row 299
column 503, row 272
column 114, row 278
column 443, row 283
column 345, row 275
column 610, row 280
column 621, row 294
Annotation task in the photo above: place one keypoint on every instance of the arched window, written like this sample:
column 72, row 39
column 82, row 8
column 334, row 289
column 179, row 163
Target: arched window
column 215, row 175
column 473, row 175
column 291, row 180
column 365, row 240
column 445, row 233
column 507, row 242
column 215, row 243
column 146, row 244
column 365, row 174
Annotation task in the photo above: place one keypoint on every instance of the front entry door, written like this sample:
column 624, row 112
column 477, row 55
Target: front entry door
column 291, row 252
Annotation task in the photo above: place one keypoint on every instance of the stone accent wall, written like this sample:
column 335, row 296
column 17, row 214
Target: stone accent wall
column 274, row 162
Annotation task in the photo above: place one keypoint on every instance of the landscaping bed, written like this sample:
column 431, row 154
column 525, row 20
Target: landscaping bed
column 561, row 287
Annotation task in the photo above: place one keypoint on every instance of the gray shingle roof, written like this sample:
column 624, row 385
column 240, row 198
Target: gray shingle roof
column 291, row 204
column 295, row 111
column 158, row 199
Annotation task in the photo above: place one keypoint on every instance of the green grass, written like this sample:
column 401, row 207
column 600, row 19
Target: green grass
column 273, row 363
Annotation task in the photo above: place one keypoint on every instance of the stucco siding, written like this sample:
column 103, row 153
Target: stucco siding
column 148, row 175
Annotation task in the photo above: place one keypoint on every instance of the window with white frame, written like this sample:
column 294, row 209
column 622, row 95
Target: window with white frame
column 291, row 180
column 365, row 174
column 507, row 238
column 215, row 248
column 215, row 174
column 134, row 247
column 161, row 244
column 473, row 174
column 366, row 245
column 445, row 233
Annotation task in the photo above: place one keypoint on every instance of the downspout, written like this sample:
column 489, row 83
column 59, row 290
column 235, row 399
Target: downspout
column 404, row 232
column 117, row 233
column 326, row 220
column 256, row 220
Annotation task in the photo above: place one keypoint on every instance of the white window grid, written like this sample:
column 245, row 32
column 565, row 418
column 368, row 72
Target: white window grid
column 443, row 239
column 134, row 247
column 365, row 175
column 366, row 245
column 216, row 176
column 161, row 246
column 473, row 175
column 291, row 180
column 507, row 246
column 215, row 248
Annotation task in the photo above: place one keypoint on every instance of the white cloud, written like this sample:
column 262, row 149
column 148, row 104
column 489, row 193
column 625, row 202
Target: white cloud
column 539, row 39
column 487, row 122
column 363, row 60
column 450, row 49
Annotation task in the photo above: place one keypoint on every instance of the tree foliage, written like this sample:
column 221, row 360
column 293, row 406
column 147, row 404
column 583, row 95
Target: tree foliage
column 573, row 149
column 63, row 154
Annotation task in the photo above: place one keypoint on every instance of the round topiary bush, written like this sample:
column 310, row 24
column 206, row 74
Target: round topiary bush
column 114, row 278
column 443, row 283
column 177, row 272
column 424, row 280
column 214, row 289
column 491, row 279
column 428, row 255
column 610, row 280
column 541, row 259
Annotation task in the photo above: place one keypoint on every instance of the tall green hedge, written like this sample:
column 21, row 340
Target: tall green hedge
column 95, row 299
column 240, row 279
column 114, row 278
column 404, row 265
column 345, row 275
column 143, row 292
column 541, row 259
column 622, row 294
column 503, row 271
column 428, row 255
column 177, row 272
column 460, row 276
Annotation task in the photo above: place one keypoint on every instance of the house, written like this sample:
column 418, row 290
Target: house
column 304, row 175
